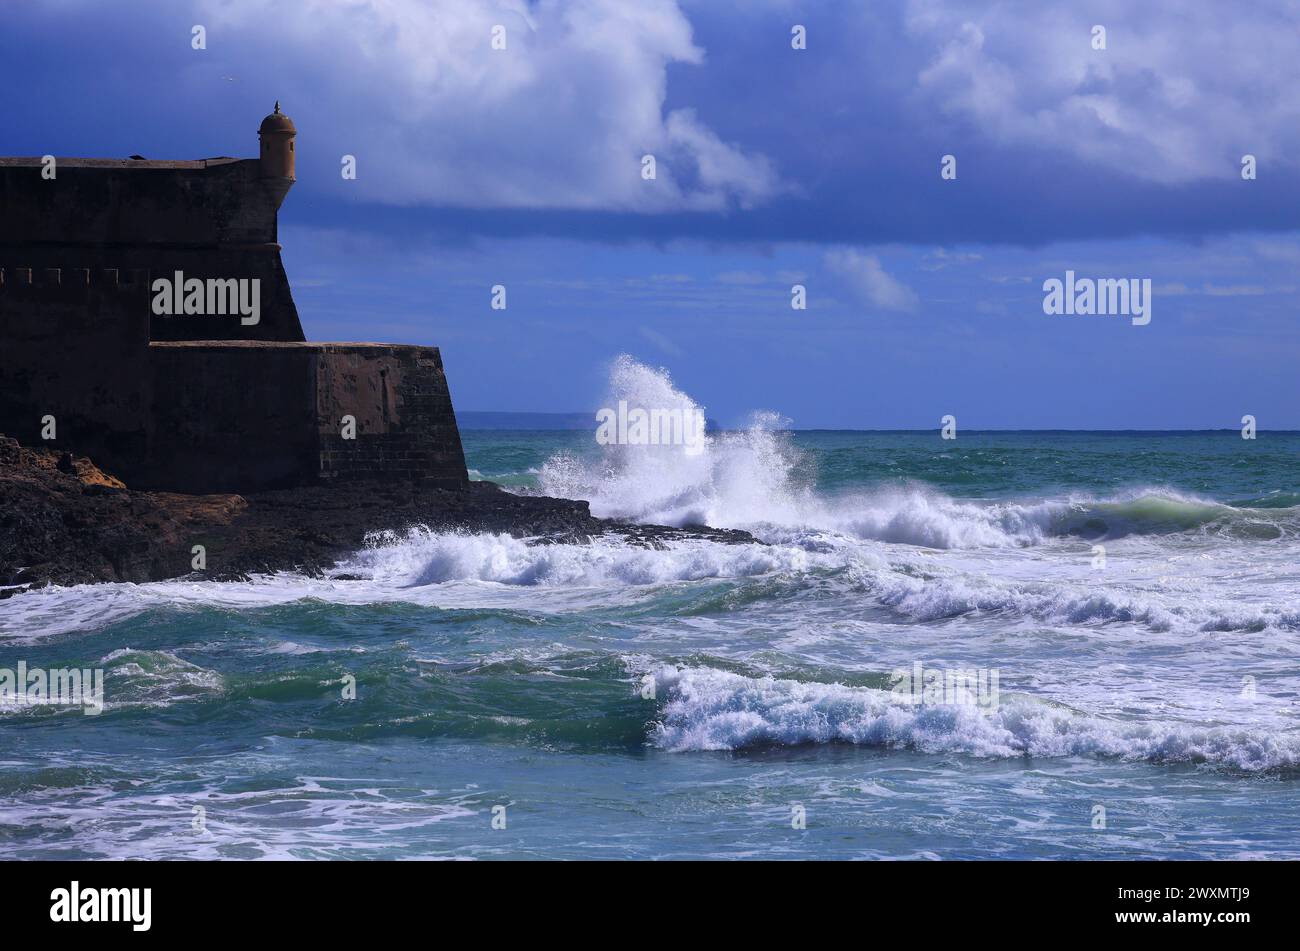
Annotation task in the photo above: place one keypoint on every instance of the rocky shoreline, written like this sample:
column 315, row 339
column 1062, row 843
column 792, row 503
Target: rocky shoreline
column 64, row 521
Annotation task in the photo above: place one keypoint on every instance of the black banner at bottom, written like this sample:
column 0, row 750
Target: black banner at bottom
column 337, row 900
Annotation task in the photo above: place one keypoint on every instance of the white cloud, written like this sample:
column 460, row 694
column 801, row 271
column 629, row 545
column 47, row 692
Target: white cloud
column 869, row 279
column 1181, row 92
column 559, row 119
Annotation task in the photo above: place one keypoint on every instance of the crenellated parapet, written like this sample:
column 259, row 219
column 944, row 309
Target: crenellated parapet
column 41, row 281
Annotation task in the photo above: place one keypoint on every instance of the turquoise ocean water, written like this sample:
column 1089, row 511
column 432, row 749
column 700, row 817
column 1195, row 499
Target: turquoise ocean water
column 1136, row 594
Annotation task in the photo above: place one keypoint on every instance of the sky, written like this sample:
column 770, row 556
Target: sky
column 774, row 166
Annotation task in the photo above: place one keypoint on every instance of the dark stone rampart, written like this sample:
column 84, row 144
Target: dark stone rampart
column 206, row 402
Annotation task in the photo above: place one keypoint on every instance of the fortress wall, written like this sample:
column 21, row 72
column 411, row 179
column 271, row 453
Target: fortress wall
column 405, row 426
column 242, row 417
column 195, row 403
column 228, row 417
column 279, row 315
column 207, row 219
column 208, row 416
column 119, row 202
column 75, row 347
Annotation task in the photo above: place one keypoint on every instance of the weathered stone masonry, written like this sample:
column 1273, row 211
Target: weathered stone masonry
column 194, row 403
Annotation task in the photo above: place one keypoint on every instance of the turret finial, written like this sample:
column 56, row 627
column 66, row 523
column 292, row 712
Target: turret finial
column 277, row 107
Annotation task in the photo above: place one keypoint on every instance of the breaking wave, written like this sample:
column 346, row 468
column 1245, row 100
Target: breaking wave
column 915, row 590
column 419, row 566
column 758, row 480
column 708, row 709
column 422, row 557
column 926, row 594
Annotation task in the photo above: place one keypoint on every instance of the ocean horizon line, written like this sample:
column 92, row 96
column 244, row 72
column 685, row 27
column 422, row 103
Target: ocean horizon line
column 849, row 429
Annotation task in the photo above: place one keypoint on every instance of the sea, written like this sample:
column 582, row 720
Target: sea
column 1003, row 645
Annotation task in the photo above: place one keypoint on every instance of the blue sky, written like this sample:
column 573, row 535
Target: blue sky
column 775, row 166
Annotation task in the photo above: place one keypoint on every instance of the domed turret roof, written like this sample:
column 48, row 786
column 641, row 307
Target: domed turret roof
column 276, row 122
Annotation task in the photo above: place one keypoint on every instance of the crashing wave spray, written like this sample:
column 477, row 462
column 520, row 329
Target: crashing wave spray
column 734, row 479
column 757, row 480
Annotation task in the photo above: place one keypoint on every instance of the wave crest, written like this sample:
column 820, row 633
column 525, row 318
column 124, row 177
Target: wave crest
column 710, row 709
column 422, row 557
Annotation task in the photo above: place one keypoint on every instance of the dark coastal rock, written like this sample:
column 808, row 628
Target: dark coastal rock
column 64, row 521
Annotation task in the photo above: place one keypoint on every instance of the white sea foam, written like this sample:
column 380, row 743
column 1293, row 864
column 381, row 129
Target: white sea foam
column 708, row 709
column 421, row 567
column 421, row 558
column 331, row 817
column 1070, row 601
column 395, row 567
column 459, row 570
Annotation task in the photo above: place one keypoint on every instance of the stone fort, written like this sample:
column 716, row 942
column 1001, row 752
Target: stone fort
column 194, row 402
